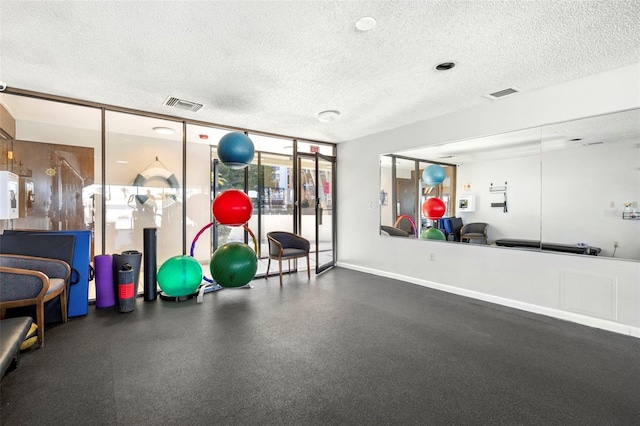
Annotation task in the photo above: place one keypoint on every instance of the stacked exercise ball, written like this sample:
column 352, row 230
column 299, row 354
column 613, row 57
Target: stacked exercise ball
column 233, row 265
column 232, row 208
column 180, row 276
column 236, row 150
column 433, row 175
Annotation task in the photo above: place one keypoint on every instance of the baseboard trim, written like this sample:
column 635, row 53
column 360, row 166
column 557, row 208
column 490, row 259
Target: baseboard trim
column 528, row 307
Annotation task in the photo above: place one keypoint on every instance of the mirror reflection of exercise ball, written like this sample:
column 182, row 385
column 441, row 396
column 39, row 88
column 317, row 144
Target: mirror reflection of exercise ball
column 434, row 175
column 434, row 208
column 432, row 234
column 236, row 150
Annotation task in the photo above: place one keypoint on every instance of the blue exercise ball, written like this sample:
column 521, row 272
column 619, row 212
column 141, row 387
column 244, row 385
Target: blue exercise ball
column 434, row 175
column 236, row 150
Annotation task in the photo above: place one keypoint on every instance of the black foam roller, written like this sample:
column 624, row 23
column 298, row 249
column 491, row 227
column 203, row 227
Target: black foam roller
column 126, row 293
column 150, row 272
column 133, row 258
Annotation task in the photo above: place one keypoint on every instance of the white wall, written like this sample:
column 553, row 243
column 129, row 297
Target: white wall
column 600, row 292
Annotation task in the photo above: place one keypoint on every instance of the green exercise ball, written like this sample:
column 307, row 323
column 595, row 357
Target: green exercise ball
column 432, row 234
column 180, row 276
column 233, row 265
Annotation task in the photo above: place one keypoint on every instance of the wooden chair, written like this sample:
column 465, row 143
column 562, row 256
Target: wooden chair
column 29, row 280
column 287, row 245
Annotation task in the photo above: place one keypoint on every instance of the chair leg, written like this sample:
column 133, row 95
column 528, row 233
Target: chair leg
column 40, row 322
column 280, row 262
column 63, row 305
column 308, row 268
column 268, row 266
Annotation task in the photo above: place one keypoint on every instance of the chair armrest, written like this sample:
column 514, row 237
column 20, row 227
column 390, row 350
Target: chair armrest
column 275, row 248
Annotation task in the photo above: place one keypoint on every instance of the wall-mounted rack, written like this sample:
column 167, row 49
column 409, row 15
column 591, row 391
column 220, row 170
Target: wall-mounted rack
column 499, row 190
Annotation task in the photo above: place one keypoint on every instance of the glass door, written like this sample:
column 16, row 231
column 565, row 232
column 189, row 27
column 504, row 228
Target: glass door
column 317, row 207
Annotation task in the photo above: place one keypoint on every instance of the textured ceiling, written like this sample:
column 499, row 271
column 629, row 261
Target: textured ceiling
column 272, row 66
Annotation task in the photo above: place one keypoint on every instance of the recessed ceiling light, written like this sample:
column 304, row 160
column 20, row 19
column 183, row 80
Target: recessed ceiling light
column 366, row 24
column 164, row 130
column 328, row 116
column 445, row 66
column 122, row 162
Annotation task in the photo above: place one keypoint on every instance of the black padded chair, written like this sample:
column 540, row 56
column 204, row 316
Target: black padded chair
column 287, row 246
column 474, row 231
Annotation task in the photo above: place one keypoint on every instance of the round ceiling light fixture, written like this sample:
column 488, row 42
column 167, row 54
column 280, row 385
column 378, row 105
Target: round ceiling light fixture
column 328, row 116
column 365, row 24
column 164, row 130
column 445, row 66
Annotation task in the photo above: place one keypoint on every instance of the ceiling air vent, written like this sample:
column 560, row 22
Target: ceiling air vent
column 182, row 104
column 502, row 93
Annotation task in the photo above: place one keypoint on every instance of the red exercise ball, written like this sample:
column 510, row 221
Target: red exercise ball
column 434, row 208
column 232, row 208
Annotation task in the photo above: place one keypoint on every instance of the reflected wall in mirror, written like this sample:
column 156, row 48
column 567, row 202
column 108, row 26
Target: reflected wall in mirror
column 590, row 171
column 571, row 187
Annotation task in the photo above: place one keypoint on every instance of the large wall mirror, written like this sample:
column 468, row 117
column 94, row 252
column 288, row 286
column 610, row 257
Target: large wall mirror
column 571, row 187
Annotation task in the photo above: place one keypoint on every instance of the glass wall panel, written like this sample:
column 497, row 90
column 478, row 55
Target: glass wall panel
column 57, row 155
column 271, row 144
column 143, row 183
column 276, row 197
column 200, row 189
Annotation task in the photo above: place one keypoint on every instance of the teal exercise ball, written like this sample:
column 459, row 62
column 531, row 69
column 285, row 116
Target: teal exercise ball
column 433, row 234
column 180, row 276
column 433, row 175
column 236, row 150
column 233, row 265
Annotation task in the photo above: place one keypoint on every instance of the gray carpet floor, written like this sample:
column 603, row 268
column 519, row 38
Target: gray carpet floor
column 344, row 348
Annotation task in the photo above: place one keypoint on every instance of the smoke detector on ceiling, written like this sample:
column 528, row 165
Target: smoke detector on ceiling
column 182, row 104
column 503, row 93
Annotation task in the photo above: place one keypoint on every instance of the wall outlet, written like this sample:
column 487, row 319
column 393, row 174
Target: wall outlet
column 432, row 257
column 615, row 244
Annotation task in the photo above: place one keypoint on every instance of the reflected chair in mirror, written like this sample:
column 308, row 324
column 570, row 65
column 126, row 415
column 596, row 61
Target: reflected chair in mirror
column 474, row 231
column 33, row 281
column 393, row 232
column 286, row 246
